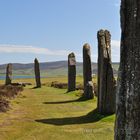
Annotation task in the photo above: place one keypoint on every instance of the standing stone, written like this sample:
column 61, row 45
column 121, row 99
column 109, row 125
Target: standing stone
column 87, row 72
column 127, row 125
column 8, row 74
column 71, row 72
column 106, row 87
column 37, row 73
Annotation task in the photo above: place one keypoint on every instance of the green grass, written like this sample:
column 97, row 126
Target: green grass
column 52, row 114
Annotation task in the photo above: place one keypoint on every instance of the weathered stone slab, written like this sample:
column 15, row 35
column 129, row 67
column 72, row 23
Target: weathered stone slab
column 71, row 72
column 87, row 72
column 106, row 87
column 37, row 73
column 8, row 74
column 127, row 125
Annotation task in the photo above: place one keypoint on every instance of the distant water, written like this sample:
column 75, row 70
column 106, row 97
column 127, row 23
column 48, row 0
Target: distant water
column 2, row 77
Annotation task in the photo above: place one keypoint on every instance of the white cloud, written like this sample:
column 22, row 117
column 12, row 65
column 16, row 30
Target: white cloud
column 115, row 43
column 115, row 50
column 31, row 49
column 115, row 53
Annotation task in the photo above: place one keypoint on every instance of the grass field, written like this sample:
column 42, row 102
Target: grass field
column 52, row 114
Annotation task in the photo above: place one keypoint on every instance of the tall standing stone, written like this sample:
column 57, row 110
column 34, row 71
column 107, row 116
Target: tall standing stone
column 106, row 87
column 8, row 74
column 37, row 73
column 127, row 125
column 87, row 72
column 71, row 72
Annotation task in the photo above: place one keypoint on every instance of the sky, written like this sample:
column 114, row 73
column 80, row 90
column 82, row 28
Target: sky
column 51, row 29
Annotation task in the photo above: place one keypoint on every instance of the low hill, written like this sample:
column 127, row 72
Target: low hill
column 50, row 69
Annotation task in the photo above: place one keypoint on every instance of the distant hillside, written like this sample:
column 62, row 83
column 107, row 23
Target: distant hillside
column 57, row 68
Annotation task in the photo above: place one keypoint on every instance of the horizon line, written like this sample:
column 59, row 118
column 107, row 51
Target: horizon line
column 49, row 62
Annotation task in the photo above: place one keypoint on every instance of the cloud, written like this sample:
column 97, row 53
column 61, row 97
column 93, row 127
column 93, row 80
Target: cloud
column 115, row 53
column 115, row 50
column 115, row 43
column 31, row 49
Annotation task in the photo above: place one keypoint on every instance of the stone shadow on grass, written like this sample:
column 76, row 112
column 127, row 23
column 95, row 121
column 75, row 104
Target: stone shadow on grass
column 91, row 117
column 81, row 99
column 35, row 87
